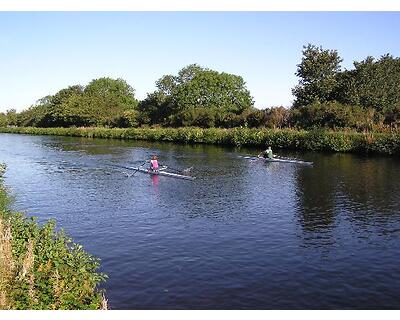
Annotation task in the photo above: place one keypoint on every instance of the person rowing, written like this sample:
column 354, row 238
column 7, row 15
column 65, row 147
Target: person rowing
column 267, row 154
column 154, row 163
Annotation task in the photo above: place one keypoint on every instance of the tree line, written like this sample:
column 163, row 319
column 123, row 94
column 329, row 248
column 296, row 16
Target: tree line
column 365, row 97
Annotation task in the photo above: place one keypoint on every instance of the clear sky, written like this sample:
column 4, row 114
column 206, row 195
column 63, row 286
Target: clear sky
column 43, row 52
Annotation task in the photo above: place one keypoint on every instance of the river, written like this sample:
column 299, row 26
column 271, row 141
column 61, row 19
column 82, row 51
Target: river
column 243, row 235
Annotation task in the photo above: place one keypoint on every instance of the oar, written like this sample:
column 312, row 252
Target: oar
column 138, row 169
column 124, row 167
column 180, row 171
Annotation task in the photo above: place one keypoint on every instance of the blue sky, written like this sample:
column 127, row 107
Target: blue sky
column 43, row 52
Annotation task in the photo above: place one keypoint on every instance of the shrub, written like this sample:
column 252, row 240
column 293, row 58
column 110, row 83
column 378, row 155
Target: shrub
column 316, row 139
column 41, row 268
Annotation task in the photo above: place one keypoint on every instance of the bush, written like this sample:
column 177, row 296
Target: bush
column 255, row 119
column 317, row 139
column 41, row 268
column 333, row 115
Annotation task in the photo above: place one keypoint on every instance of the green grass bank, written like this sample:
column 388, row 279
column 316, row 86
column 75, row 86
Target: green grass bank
column 41, row 268
column 315, row 140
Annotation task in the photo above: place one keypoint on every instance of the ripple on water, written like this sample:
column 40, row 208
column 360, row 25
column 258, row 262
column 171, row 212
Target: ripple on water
column 242, row 235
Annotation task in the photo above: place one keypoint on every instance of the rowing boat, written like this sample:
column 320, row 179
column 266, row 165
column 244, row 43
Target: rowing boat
column 286, row 160
column 162, row 172
column 280, row 159
column 159, row 172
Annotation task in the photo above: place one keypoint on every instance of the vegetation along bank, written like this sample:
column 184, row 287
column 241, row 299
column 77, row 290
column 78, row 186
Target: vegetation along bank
column 313, row 140
column 334, row 109
column 41, row 268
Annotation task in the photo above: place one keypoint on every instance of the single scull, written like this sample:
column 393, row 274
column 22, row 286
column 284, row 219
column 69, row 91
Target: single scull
column 280, row 159
column 287, row 160
column 160, row 172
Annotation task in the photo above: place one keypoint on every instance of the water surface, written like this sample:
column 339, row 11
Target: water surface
column 243, row 235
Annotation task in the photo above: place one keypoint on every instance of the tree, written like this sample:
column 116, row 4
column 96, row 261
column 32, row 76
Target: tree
column 3, row 119
column 103, row 101
column 254, row 118
column 318, row 72
column 334, row 115
column 211, row 89
column 277, row 117
column 178, row 97
column 372, row 84
column 187, row 73
column 35, row 116
column 392, row 117
column 108, row 99
column 156, row 108
column 58, row 114
column 11, row 115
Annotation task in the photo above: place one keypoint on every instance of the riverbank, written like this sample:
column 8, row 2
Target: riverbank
column 41, row 268
column 316, row 140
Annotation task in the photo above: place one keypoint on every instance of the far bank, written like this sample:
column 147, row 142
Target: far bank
column 314, row 140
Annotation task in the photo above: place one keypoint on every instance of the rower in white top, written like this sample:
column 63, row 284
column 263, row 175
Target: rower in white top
column 266, row 154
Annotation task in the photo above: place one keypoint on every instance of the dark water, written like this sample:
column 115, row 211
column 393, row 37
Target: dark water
column 243, row 235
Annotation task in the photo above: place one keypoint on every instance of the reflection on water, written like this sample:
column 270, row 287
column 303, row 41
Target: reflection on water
column 356, row 188
column 155, row 181
column 244, row 234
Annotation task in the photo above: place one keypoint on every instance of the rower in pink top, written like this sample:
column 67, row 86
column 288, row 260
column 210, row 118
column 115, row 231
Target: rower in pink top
column 154, row 163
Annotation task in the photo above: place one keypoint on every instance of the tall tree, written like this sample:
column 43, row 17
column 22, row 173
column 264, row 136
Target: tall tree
column 11, row 115
column 3, row 119
column 318, row 72
column 211, row 89
column 57, row 114
column 199, row 88
column 108, row 99
column 372, row 84
column 103, row 101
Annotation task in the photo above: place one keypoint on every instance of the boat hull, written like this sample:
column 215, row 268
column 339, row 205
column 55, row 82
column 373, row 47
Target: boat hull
column 287, row 161
column 161, row 172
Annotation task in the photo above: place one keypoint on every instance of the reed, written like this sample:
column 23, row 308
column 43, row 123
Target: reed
column 41, row 268
column 7, row 264
column 315, row 140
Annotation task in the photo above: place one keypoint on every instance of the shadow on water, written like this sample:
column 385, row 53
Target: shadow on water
column 356, row 188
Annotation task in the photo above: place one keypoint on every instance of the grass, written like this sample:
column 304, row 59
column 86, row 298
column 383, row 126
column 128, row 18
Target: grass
column 41, row 268
column 315, row 140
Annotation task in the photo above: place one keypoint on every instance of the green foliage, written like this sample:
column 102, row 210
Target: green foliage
column 44, row 269
column 194, row 96
column 155, row 109
column 334, row 115
column 392, row 116
column 4, row 197
column 229, row 120
column 109, row 99
column 61, row 109
column 211, row 89
column 127, row 119
column 34, row 116
column 3, row 120
column 255, row 118
column 372, row 84
column 316, row 139
column 103, row 101
column 11, row 117
column 197, row 117
column 363, row 98
column 318, row 75
column 278, row 117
